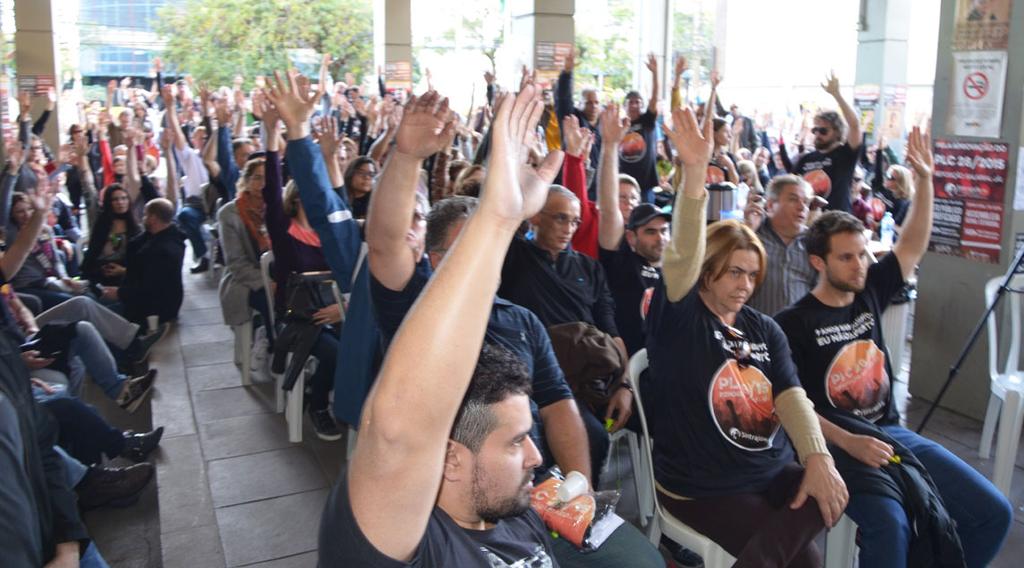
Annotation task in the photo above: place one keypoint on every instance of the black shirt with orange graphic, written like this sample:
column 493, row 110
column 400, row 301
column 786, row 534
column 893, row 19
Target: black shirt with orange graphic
column 840, row 352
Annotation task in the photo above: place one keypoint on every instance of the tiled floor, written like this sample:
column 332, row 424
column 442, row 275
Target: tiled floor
column 234, row 492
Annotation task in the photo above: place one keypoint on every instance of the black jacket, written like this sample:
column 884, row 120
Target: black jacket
column 37, row 479
column 152, row 283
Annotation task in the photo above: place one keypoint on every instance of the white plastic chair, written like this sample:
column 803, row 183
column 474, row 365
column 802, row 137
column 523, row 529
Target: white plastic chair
column 1006, row 386
column 840, row 542
column 663, row 522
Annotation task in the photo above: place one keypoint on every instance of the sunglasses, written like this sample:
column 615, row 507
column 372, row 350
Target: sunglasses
column 740, row 349
column 820, row 130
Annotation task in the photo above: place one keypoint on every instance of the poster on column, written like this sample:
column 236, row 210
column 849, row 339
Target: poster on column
column 865, row 100
column 976, row 107
column 982, row 24
column 894, row 100
column 970, row 181
column 549, row 60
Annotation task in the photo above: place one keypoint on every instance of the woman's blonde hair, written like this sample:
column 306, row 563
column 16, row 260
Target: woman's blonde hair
column 725, row 238
column 902, row 186
column 748, row 168
column 292, row 204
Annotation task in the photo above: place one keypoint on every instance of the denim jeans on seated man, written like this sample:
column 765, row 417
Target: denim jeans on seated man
column 982, row 514
column 76, row 471
column 191, row 220
column 87, row 353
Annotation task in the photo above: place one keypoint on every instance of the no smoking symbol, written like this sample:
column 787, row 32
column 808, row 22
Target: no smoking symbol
column 976, row 85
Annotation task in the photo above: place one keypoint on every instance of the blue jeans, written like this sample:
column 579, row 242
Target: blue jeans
column 76, row 470
column 88, row 345
column 326, row 351
column 982, row 514
column 627, row 546
column 191, row 221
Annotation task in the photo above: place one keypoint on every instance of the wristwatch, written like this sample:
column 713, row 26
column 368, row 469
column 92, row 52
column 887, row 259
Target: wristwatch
column 625, row 385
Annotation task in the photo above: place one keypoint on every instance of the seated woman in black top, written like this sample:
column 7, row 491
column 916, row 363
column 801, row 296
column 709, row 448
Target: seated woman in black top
column 359, row 183
column 108, row 241
column 723, row 384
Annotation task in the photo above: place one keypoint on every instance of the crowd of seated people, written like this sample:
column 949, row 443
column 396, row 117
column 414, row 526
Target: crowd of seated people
column 495, row 282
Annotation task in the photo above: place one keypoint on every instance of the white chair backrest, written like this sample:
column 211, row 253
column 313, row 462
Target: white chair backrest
column 637, row 364
column 265, row 260
column 1011, row 306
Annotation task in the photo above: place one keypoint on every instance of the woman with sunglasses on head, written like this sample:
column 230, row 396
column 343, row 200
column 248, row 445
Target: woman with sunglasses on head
column 722, row 384
column 894, row 186
column 104, row 260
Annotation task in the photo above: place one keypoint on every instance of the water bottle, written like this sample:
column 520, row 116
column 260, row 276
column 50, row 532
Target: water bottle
column 887, row 230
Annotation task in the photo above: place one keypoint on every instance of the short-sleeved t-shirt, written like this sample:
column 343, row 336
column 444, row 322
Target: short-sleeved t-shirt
column 830, row 174
column 513, row 327
column 631, row 280
column 638, row 154
column 516, row 541
column 840, row 352
column 713, row 413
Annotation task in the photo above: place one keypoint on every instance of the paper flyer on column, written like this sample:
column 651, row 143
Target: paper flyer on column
column 978, row 86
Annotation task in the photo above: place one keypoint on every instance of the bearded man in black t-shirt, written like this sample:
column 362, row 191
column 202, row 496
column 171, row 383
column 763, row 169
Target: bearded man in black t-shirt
column 638, row 152
column 837, row 344
column 829, row 168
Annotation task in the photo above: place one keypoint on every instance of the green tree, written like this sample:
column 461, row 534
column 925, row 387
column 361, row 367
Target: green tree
column 214, row 40
column 606, row 54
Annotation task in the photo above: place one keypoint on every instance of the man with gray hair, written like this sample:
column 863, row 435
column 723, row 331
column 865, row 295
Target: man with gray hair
column 829, row 167
column 780, row 224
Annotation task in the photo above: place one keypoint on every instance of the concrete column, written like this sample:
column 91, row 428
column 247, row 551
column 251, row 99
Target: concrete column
column 951, row 289
column 541, row 33
column 655, row 37
column 882, row 62
column 393, row 29
column 37, row 58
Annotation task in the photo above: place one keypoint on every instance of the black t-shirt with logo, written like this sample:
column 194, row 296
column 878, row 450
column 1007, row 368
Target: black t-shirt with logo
column 830, row 175
column 638, row 154
column 712, row 403
column 840, row 352
column 631, row 280
column 520, row 541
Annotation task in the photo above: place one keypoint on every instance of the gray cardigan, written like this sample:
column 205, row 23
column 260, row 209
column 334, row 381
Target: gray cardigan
column 242, row 270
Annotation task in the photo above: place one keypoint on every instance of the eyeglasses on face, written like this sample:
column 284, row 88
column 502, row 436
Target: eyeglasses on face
column 820, row 130
column 365, row 173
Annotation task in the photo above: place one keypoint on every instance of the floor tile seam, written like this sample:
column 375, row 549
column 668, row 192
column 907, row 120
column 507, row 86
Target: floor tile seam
column 261, row 499
column 273, row 559
column 293, row 493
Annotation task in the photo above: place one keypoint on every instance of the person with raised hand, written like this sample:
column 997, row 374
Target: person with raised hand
column 723, row 384
column 915, row 502
column 441, row 477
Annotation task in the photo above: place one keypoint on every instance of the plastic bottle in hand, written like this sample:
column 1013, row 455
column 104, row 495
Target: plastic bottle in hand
column 887, row 230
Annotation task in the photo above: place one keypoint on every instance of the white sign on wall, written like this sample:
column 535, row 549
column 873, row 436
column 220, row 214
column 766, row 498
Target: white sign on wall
column 979, row 80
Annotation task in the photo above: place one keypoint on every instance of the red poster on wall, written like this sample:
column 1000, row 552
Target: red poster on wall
column 970, row 181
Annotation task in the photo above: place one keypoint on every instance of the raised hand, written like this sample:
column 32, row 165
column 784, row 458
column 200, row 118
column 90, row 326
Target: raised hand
column 51, row 98
column 426, row 125
column 295, row 105
column 694, row 147
column 652, row 63
column 613, row 128
column 325, row 75
column 575, row 136
column 513, row 191
column 330, row 137
column 919, row 155
column 167, row 94
column 158, row 64
column 489, row 77
column 680, row 65
column 24, row 102
column 222, row 111
column 831, row 84
column 570, row 61
column 716, row 78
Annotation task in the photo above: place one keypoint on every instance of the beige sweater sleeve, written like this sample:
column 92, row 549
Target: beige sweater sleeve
column 685, row 252
column 796, row 412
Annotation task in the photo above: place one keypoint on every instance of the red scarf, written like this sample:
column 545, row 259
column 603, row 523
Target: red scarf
column 251, row 213
column 304, row 235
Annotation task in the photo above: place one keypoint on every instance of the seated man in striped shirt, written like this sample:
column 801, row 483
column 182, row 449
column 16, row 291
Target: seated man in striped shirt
column 780, row 224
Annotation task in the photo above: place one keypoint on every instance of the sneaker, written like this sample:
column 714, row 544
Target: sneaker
column 138, row 446
column 324, row 425
column 113, row 486
column 144, row 343
column 202, row 266
column 135, row 391
column 682, row 556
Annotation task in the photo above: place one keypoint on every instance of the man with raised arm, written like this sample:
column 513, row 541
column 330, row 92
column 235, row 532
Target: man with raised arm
column 587, row 116
column 638, row 151
column 401, row 263
column 829, row 167
column 441, row 477
column 914, row 502
column 191, row 214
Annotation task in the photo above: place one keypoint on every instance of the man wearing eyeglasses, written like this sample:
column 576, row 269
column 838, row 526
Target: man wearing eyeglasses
column 829, row 167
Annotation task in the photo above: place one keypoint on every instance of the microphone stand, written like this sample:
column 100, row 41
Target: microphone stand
column 955, row 369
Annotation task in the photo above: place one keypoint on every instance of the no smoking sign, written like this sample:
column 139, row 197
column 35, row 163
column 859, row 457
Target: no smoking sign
column 976, row 86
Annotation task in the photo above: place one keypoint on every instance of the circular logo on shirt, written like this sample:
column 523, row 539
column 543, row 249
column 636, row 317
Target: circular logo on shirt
column 856, row 380
column 742, row 406
column 715, row 175
column 632, row 148
column 820, row 182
